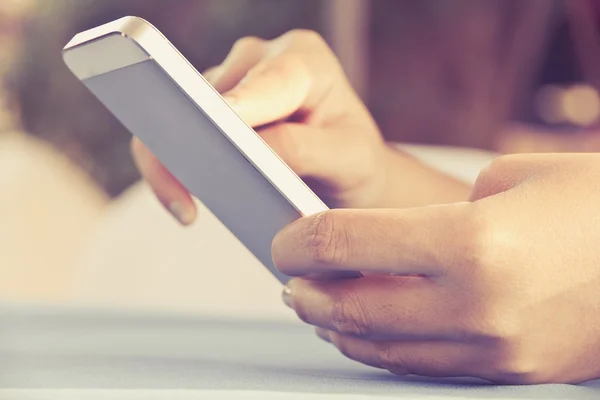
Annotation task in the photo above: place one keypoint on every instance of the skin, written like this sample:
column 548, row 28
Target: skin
column 294, row 92
column 499, row 281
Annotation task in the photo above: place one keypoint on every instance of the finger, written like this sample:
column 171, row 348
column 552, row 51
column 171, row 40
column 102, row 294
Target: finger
column 507, row 172
column 169, row 191
column 362, row 351
column 380, row 308
column 312, row 152
column 244, row 55
column 431, row 359
column 323, row 334
column 430, row 241
column 274, row 89
column 211, row 73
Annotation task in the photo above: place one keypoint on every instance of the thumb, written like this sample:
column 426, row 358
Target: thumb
column 420, row 241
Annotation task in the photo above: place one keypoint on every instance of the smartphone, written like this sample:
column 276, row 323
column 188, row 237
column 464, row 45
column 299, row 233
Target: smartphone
column 164, row 101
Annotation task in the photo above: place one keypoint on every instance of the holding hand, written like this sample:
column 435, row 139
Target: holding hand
column 505, row 288
column 293, row 91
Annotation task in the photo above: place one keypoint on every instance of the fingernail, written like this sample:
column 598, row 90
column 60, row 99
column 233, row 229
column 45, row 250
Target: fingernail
column 286, row 296
column 185, row 215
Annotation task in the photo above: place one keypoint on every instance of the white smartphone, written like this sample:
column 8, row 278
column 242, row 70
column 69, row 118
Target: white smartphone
column 164, row 101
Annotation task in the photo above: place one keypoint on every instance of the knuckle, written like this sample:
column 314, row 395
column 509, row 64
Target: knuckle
column 518, row 374
column 475, row 250
column 306, row 36
column 497, row 328
column 248, row 42
column 492, row 178
column 289, row 146
column 350, row 318
column 494, row 324
column 500, row 332
column 512, row 365
column 281, row 67
column 496, row 166
column 393, row 361
column 302, row 314
column 287, row 63
column 483, row 186
column 308, row 43
column 328, row 243
column 342, row 345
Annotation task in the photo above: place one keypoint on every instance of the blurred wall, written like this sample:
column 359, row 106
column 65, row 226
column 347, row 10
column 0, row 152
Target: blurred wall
column 448, row 72
column 11, row 14
column 56, row 107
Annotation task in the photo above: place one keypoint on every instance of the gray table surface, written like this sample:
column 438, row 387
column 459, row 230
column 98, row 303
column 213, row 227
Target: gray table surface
column 56, row 348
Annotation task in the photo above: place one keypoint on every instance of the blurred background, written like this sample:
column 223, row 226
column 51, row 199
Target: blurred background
column 499, row 75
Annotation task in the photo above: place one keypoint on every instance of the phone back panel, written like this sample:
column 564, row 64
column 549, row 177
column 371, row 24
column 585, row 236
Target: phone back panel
column 157, row 111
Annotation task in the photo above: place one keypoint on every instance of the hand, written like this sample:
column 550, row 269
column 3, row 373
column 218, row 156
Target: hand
column 293, row 90
column 295, row 94
column 504, row 288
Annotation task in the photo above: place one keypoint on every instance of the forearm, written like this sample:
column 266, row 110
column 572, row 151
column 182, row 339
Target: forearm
column 410, row 183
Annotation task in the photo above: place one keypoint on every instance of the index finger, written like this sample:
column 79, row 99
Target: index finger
column 275, row 89
column 297, row 74
column 419, row 241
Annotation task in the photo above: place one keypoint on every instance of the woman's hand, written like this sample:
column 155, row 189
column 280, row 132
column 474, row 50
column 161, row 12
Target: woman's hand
column 294, row 92
column 505, row 288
